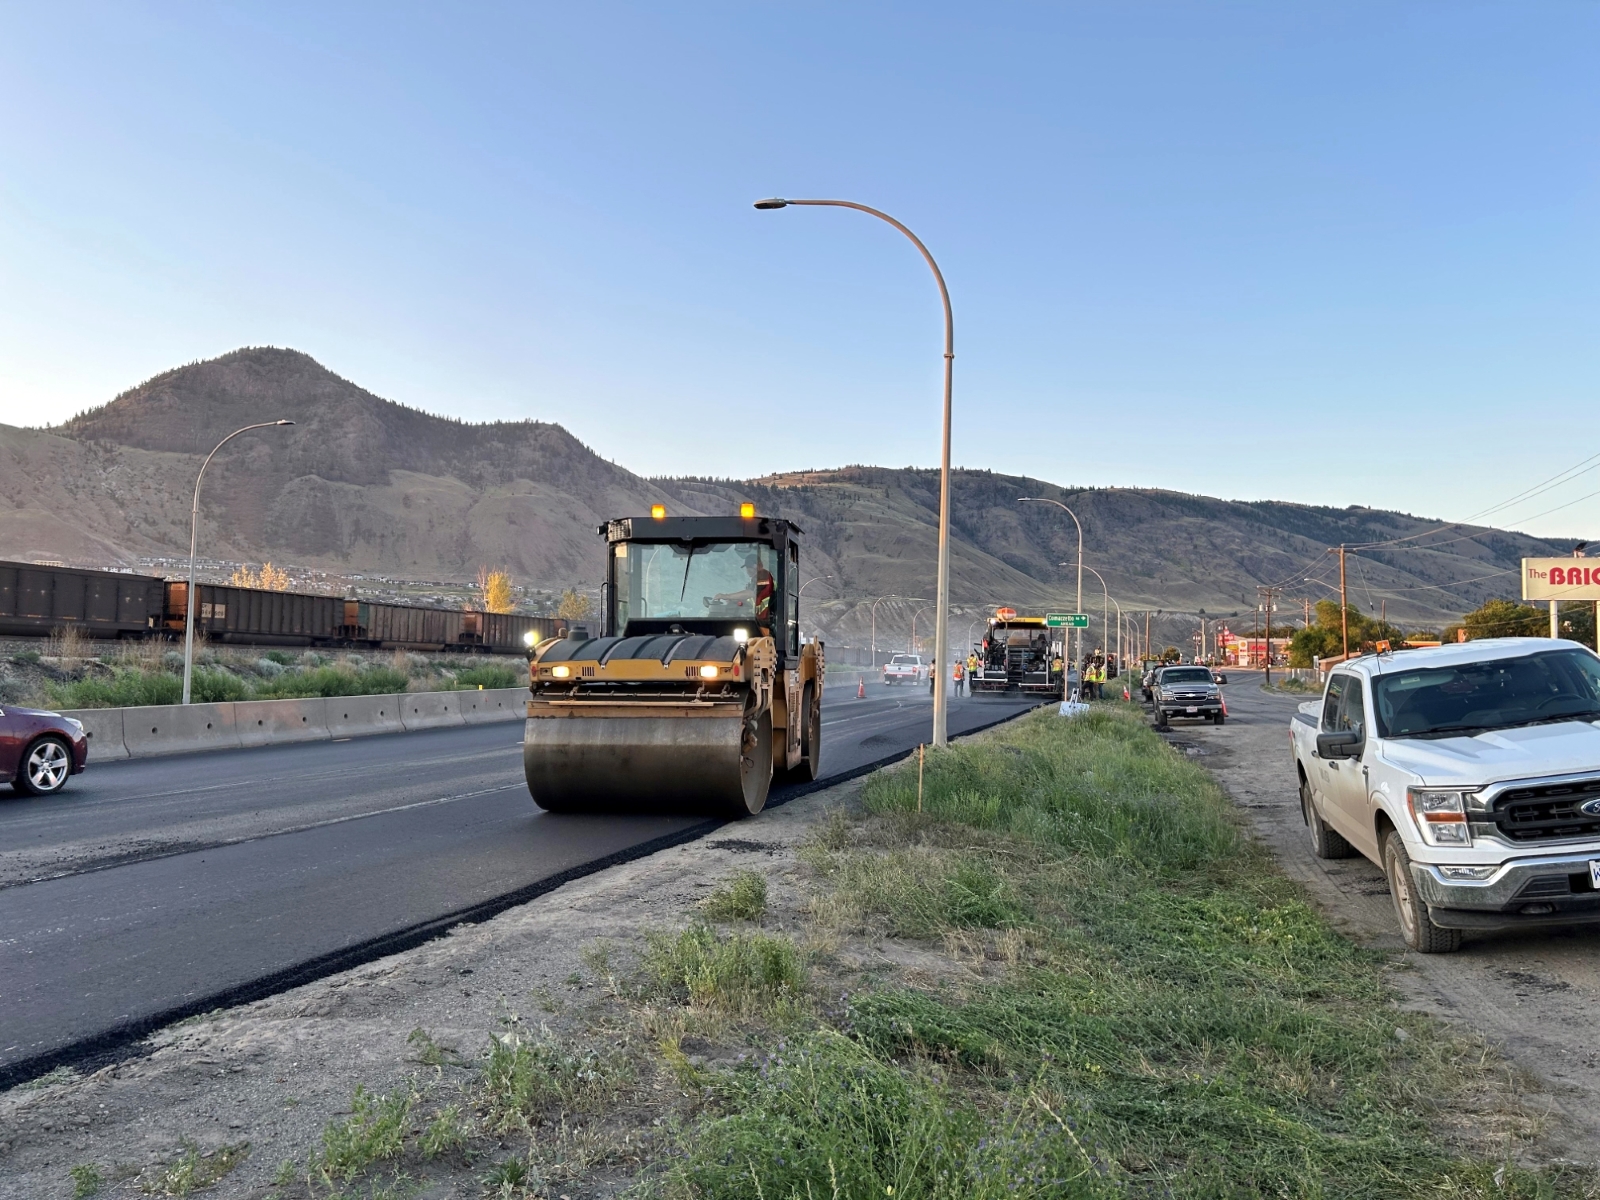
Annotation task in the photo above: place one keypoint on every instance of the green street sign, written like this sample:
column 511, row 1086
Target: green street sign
column 1067, row 620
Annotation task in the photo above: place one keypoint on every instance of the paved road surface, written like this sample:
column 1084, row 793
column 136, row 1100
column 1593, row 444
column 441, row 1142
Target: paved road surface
column 1533, row 993
column 155, row 886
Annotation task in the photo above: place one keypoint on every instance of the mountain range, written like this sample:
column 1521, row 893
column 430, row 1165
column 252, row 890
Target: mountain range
column 360, row 483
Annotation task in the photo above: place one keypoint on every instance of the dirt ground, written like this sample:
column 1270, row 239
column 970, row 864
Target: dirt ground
column 1535, row 995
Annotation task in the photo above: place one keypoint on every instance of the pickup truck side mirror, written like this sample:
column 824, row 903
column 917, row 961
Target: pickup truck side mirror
column 1341, row 743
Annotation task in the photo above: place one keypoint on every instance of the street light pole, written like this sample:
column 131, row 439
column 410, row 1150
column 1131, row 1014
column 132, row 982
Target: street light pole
column 1107, row 596
column 1079, row 524
column 942, row 588
column 194, row 538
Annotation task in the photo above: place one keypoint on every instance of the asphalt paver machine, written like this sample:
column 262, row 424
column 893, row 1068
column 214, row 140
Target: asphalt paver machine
column 698, row 688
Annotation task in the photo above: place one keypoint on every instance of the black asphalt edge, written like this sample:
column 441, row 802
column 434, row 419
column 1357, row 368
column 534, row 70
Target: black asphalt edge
column 120, row 1043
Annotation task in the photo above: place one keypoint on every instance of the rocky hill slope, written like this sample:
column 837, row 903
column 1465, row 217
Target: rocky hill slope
column 361, row 483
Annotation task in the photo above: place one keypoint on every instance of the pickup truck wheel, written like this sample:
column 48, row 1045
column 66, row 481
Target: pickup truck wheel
column 1325, row 842
column 1416, row 927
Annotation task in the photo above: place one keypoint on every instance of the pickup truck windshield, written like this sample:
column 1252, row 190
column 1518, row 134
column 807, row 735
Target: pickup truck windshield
column 1186, row 675
column 1558, row 685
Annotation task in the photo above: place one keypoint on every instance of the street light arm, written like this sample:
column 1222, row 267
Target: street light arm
column 938, row 275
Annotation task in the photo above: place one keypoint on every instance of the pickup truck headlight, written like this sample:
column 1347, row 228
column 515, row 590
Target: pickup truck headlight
column 1441, row 816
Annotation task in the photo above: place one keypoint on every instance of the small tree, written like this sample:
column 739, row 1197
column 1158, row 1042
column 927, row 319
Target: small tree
column 273, row 579
column 495, row 588
column 1171, row 655
column 1506, row 618
column 574, row 606
column 244, row 577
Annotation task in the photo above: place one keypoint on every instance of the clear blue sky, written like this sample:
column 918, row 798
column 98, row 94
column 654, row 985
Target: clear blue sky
column 1340, row 253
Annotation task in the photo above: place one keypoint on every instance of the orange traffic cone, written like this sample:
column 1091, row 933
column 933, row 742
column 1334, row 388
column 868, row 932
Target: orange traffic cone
column 861, row 687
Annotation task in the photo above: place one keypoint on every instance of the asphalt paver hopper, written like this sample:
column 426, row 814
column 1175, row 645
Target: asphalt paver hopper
column 697, row 689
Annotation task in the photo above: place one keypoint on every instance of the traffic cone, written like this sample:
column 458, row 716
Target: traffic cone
column 861, row 687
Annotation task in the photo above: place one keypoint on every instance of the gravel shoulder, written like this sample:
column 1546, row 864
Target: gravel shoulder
column 1532, row 994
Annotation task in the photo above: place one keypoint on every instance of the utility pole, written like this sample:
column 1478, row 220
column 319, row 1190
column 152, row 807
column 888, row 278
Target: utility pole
column 1267, row 609
column 1307, row 603
column 1344, row 607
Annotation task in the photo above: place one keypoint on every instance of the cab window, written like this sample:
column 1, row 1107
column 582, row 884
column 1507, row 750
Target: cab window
column 1330, row 704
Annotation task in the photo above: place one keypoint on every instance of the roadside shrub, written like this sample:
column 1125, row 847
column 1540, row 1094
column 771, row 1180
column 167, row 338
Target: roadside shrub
column 919, row 891
column 215, row 686
column 282, row 657
column 741, row 973
column 31, row 657
column 374, row 1131
column 742, row 898
column 332, row 681
column 526, row 1080
column 127, row 687
column 490, row 675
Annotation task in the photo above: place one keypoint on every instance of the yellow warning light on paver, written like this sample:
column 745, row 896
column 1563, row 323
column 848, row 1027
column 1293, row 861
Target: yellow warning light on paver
column 747, row 509
column 658, row 511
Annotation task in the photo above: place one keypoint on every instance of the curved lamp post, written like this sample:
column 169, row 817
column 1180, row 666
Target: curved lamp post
column 877, row 601
column 942, row 588
column 1104, row 618
column 194, row 537
column 809, row 582
column 1079, row 524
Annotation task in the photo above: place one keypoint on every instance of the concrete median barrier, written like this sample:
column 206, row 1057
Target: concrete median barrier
column 357, row 716
column 178, row 729
column 493, row 704
column 430, row 710
column 271, row 722
column 103, row 727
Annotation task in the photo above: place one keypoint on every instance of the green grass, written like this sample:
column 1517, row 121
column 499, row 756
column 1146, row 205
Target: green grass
column 1175, row 1018
column 193, row 1171
column 528, row 1080
column 86, row 1180
column 375, row 1131
column 740, row 973
column 742, row 898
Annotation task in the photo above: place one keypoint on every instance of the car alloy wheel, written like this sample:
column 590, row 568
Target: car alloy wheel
column 48, row 766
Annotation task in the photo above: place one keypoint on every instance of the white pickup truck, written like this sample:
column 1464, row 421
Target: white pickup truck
column 1470, row 773
column 904, row 668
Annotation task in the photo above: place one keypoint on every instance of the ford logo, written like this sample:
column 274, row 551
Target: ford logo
column 1590, row 808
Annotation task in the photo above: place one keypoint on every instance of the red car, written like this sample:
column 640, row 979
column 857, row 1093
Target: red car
column 39, row 750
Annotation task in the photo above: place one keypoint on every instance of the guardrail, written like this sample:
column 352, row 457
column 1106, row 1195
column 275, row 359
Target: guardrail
column 183, row 729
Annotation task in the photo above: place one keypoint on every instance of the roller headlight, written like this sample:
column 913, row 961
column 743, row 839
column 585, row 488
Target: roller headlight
column 1441, row 816
column 530, row 638
column 741, row 636
column 708, row 672
column 561, row 672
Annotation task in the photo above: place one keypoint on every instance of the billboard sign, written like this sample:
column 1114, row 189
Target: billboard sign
column 1561, row 579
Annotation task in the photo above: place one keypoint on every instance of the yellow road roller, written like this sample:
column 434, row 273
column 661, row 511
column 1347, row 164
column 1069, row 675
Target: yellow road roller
column 697, row 689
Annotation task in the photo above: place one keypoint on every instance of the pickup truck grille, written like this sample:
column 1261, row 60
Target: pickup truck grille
column 1189, row 697
column 1546, row 813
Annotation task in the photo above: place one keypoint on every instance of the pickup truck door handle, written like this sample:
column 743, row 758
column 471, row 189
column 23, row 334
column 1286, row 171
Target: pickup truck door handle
column 1332, row 766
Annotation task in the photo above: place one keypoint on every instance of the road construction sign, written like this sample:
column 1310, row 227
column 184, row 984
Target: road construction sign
column 1067, row 620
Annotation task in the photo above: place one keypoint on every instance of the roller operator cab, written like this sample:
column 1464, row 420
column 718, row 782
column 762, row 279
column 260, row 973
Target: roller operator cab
column 697, row 689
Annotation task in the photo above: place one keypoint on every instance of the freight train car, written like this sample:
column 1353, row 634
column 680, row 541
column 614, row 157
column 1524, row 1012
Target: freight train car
column 254, row 617
column 36, row 599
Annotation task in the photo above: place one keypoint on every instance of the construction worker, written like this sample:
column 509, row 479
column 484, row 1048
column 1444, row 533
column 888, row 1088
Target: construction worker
column 972, row 666
column 960, row 674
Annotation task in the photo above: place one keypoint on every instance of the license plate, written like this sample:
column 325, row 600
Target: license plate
column 1192, row 708
column 1594, row 873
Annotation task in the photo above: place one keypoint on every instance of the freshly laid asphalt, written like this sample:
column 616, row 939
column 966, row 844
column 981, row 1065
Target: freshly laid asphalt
column 157, row 888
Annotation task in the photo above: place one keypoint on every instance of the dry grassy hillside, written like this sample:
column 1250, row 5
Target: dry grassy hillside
column 360, row 483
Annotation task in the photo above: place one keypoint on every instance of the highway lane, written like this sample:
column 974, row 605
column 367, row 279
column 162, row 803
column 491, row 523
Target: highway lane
column 159, row 887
